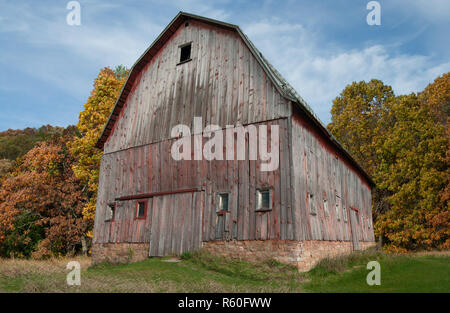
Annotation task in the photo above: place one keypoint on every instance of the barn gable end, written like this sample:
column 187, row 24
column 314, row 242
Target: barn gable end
column 225, row 80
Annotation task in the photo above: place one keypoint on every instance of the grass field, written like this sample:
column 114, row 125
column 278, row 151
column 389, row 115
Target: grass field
column 200, row 272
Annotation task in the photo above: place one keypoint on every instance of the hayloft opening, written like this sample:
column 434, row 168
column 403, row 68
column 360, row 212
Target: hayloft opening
column 185, row 53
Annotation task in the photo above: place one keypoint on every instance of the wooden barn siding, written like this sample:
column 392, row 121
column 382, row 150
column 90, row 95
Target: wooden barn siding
column 319, row 169
column 176, row 226
column 224, row 84
column 150, row 168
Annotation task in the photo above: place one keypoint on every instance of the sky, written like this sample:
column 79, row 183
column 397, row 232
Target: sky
column 47, row 67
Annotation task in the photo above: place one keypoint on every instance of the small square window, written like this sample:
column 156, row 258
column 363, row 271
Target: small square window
column 141, row 209
column 185, row 53
column 263, row 200
column 110, row 211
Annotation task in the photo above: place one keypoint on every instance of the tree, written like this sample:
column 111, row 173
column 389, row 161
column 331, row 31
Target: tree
column 413, row 168
column 355, row 118
column 15, row 143
column 91, row 122
column 5, row 166
column 41, row 203
column 436, row 96
column 400, row 141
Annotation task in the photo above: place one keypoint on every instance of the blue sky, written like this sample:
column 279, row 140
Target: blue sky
column 47, row 67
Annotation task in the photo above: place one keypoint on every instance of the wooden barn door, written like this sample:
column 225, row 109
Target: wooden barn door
column 354, row 229
column 176, row 223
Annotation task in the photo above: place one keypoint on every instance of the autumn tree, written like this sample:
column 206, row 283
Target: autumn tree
column 41, row 203
column 5, row 166
column 413, row 169
column 355, row 117
column 436, row 96
column 16, row 142
column 400, row 141
column 91, row 122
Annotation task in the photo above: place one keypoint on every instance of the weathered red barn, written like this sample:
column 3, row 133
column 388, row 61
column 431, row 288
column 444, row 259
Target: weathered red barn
column 315, row 203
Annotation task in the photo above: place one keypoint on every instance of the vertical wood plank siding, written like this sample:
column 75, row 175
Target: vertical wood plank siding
column 241, row 179
column 319, row 169
column 225, row 85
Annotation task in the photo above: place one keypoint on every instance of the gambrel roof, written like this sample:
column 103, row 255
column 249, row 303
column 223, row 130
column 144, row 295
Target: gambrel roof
column 285, row 89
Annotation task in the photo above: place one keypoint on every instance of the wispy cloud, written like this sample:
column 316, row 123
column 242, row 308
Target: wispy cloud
column 319, row 71
column 318, row 47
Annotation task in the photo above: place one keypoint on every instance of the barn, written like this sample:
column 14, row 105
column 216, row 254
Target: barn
column 199, row 79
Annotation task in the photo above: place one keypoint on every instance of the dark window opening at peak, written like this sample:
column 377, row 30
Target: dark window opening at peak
column 185, row 54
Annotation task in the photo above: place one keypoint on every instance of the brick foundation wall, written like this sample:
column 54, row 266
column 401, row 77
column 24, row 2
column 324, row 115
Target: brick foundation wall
column 119, row 252
column 302, row 254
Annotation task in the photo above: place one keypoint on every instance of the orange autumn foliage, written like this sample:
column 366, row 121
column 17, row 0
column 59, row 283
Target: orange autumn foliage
column 42, row 185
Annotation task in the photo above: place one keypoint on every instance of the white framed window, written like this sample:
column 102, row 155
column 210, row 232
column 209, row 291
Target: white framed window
column 264, row 199
column 344, row 213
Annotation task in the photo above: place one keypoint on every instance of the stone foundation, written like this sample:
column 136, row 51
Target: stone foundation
column 123, row 252
column 303, row 254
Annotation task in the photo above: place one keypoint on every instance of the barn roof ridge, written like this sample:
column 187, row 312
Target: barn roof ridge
column 279, row 81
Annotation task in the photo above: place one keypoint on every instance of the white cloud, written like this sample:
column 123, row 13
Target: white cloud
column 320, row 72
column 60, row 55
column 67, row 57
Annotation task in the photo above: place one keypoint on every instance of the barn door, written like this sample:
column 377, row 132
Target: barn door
column 354, row 229
column 176, row 223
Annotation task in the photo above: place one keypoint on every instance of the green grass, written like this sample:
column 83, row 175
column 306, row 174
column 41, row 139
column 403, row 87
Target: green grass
column 399, row 273
column 202, row 272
